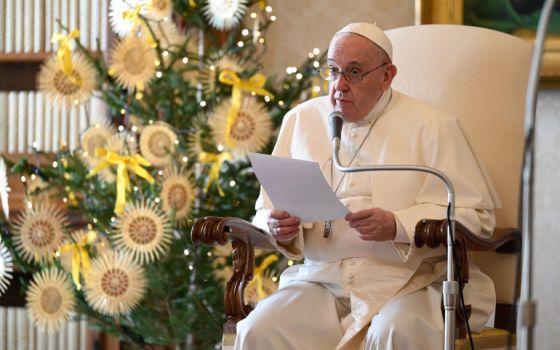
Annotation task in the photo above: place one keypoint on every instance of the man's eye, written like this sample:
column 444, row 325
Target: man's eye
column 355, row 72
column 333, row 70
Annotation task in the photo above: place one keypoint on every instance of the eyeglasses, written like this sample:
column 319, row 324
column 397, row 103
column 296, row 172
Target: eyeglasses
column 353, row 75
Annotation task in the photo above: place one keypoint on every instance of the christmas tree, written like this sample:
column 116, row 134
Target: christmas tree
column 106, row 229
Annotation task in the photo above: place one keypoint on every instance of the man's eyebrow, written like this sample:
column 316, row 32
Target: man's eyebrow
column 352, row 63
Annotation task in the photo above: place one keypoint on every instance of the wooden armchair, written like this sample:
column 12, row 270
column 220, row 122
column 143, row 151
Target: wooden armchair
column 245, row 237
column 480, row 76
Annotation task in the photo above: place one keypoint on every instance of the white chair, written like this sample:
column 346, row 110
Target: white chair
column 480, row 76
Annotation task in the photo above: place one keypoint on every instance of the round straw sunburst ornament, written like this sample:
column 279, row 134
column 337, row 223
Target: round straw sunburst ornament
column 194, row 143
column 133, row 63
column 36, row 190
column 123, row 17
column 142, row 231
column 6, row 267
column 250, row 132
column 225, row 14
column 159, row 9
column 63, row 90
column 96, row 136
column 157, row 144
column 50, row 299
column 4, row 189
column 38, row 232
column 166, row 32
column 177, row 193
column 211, row 71
column 222, row 254
column 115, row 284
column 267, row 286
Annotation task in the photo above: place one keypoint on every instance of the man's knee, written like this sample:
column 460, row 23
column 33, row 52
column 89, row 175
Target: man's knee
column 403, row 331
column 257, row 324
column 382, row 330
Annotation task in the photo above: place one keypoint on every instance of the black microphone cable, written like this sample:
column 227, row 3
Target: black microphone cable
column 457, row 273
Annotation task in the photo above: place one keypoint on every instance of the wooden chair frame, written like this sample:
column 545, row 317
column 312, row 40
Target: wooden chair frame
column 245, row 237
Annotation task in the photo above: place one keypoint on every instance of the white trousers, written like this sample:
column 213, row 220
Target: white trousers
column 306, row 316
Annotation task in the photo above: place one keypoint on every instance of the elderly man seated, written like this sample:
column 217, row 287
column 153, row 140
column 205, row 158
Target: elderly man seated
column 363, row 283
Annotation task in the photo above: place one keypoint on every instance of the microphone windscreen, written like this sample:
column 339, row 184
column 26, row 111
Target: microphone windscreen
column 335, row 121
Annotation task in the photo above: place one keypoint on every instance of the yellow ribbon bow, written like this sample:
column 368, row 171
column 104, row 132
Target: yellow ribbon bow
column 254, row 84
column 216, row 159
column 64, row 53
column 80, row 256
column 133, row 163
column 133, row 16
column 258, row 273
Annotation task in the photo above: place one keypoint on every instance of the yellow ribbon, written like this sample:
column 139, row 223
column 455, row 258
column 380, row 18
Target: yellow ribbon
column 133, row 163
column 216, row 159
column 80, row 256
column 254, row 84
column 134, row 17
column 192, row 3
column 64, row 53
column 258, row 273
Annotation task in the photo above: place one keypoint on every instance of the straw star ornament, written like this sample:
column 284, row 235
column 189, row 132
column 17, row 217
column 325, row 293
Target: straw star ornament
column 63, row 89
column 250, row 131
column 177, row 193
column 115, row 284
column 142, row 231
column 39, row 232
column 50, row 299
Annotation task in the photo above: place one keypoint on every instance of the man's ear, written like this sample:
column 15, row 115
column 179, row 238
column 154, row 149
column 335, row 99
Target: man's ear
column 390, row 73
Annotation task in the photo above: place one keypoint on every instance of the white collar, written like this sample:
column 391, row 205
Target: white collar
column 376, row 111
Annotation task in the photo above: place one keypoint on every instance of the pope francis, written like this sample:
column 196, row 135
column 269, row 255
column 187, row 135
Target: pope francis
column 364, row 284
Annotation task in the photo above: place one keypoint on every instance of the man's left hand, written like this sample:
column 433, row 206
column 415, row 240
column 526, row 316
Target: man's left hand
column 374, row 224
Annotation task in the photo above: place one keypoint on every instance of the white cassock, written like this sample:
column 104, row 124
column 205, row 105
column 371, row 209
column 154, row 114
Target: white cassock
column 347, row 284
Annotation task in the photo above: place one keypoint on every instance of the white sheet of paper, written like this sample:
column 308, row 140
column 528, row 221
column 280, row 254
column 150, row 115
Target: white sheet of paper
column 298, row 187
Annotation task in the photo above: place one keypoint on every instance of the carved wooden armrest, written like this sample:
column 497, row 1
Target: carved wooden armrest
column 433, row 234
column 244, row 237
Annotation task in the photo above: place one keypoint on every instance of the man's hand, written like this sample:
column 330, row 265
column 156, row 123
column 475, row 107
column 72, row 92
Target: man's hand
column 282, row 225
column 374, row 224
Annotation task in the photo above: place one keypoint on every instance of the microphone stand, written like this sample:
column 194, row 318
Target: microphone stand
column 450, row 286
column 526, row 311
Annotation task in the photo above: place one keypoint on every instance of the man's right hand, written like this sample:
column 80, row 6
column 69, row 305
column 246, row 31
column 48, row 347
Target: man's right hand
column 283, row 226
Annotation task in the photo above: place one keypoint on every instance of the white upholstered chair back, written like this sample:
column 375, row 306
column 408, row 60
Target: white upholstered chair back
column 480, row 76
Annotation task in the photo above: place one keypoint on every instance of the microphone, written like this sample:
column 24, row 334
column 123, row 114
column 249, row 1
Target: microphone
column 335, row 122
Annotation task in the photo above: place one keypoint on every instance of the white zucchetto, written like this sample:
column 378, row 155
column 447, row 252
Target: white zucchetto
column 371, row 32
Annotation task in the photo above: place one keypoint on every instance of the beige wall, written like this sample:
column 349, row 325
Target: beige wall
column 305, row 24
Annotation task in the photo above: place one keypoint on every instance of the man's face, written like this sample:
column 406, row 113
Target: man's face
column 353, row 52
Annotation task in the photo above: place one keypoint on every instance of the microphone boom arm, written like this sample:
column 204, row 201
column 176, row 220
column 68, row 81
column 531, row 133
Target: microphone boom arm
column 450, row 286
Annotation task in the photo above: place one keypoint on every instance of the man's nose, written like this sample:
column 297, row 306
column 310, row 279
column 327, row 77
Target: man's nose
column 340, row 84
